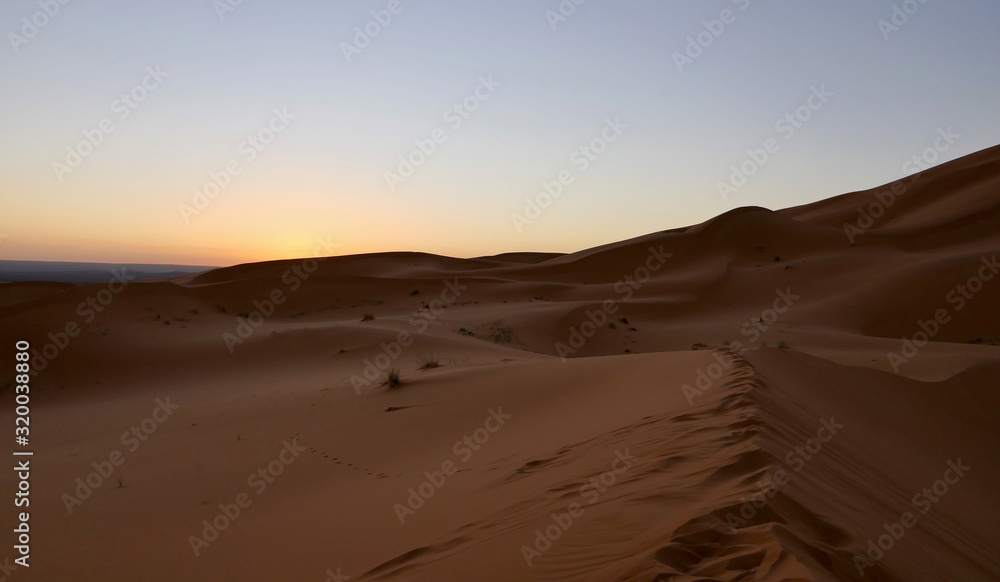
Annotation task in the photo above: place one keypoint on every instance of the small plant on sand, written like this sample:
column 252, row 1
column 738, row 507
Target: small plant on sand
column 783, row 345
column 500, row 334
column 120, row 480
column 392, row 379
column 428, row 361
column 367, row 317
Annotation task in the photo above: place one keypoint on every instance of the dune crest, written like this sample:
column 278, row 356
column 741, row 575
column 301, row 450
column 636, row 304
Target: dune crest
column 804, row 394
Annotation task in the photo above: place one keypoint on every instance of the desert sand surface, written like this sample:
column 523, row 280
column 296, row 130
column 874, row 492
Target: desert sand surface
column 731, row 401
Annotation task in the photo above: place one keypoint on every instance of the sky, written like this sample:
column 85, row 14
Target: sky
column 216, row 132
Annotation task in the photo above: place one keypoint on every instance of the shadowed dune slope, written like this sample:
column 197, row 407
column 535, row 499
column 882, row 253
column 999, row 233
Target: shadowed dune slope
column 764, row 396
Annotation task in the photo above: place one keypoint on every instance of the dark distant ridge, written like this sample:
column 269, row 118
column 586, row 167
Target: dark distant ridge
column 86, row 273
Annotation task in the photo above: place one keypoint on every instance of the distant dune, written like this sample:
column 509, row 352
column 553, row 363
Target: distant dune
column 807, row 394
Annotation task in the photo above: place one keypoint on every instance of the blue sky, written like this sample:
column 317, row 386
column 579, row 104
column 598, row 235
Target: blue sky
column 554, row 85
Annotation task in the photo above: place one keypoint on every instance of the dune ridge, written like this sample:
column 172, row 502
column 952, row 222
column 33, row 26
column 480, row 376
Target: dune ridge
column 763, row 396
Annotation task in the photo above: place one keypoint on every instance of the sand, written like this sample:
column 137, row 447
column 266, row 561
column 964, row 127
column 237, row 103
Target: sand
column 808, row 394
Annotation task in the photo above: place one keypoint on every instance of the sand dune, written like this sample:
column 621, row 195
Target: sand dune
column 730, row 401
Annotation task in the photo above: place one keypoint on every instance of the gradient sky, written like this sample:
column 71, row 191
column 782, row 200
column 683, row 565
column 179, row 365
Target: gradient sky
column 324, row 175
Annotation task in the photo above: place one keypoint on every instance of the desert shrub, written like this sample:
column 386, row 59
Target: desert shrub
column 428, row 361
